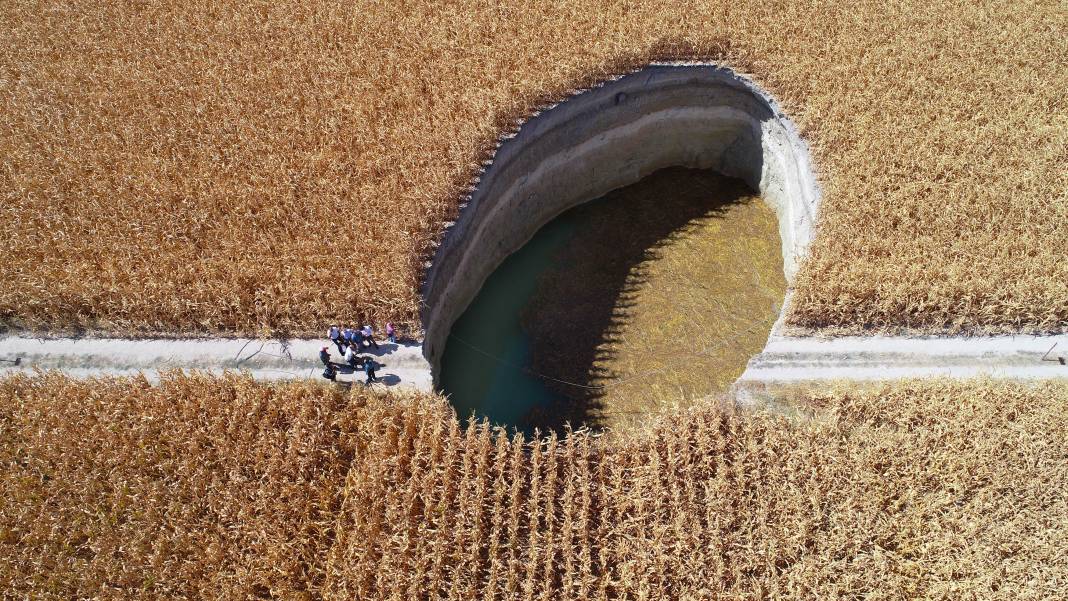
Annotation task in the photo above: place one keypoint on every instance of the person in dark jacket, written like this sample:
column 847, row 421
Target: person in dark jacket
column 350, row 335
column 370, row 366
column 324, row 355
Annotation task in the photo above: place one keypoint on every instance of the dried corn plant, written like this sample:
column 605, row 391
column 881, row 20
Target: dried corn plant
column 227, row 489
column 916, row 490
column 198, row 488
column 235, row 168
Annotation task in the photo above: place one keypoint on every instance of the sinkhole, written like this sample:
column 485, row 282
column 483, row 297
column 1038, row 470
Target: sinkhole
column 626, row 251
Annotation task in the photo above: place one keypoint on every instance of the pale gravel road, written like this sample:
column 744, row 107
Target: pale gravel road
column 403, row 364
column 785, row 359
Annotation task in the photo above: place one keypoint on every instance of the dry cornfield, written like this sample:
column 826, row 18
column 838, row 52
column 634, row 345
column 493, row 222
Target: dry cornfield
column 254, row 168
column 223, row 488
column 239, row 168
column 198, row 488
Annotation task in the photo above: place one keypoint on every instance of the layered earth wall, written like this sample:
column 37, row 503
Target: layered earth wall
column 666, row 115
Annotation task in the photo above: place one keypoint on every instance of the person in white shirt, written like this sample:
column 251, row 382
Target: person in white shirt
column 334, row 334
column 368, row 336
column 350, row 356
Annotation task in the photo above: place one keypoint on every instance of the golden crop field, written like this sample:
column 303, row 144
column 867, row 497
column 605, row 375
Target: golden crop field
column 240, row 168
column 223, row 488
column 198, row 488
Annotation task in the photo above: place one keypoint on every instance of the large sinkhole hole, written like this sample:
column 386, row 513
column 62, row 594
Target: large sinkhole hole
column 626, row 252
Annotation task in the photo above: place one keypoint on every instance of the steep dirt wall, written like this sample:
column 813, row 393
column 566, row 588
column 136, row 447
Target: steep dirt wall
column 665, row 115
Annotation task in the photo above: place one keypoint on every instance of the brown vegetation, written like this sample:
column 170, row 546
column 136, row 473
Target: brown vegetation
column 200, row 488
column 228, row 489
column 187, row 166
column 919, row 491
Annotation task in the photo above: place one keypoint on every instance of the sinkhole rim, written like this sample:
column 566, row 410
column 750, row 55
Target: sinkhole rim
column 699, row 115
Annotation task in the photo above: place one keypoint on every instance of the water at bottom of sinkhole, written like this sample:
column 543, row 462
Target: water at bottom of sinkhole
column 646, row 299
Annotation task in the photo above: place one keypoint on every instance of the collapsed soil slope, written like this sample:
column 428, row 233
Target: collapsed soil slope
column 612, row 136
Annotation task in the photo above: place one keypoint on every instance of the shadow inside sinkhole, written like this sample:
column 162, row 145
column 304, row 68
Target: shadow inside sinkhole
column 552, row 334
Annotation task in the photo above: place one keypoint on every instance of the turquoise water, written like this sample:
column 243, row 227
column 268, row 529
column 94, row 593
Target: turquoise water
column 485, row 366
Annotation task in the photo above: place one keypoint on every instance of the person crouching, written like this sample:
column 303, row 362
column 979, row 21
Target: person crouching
column 351, row 356
column 368, row 335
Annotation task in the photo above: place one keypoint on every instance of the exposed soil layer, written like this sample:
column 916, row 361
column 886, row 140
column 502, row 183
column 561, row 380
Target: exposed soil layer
column 610, row 136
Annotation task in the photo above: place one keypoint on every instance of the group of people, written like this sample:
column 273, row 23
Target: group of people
column 349, row 342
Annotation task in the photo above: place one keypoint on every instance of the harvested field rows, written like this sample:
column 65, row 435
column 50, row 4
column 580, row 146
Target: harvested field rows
column 245, row 168
column 223, row 488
